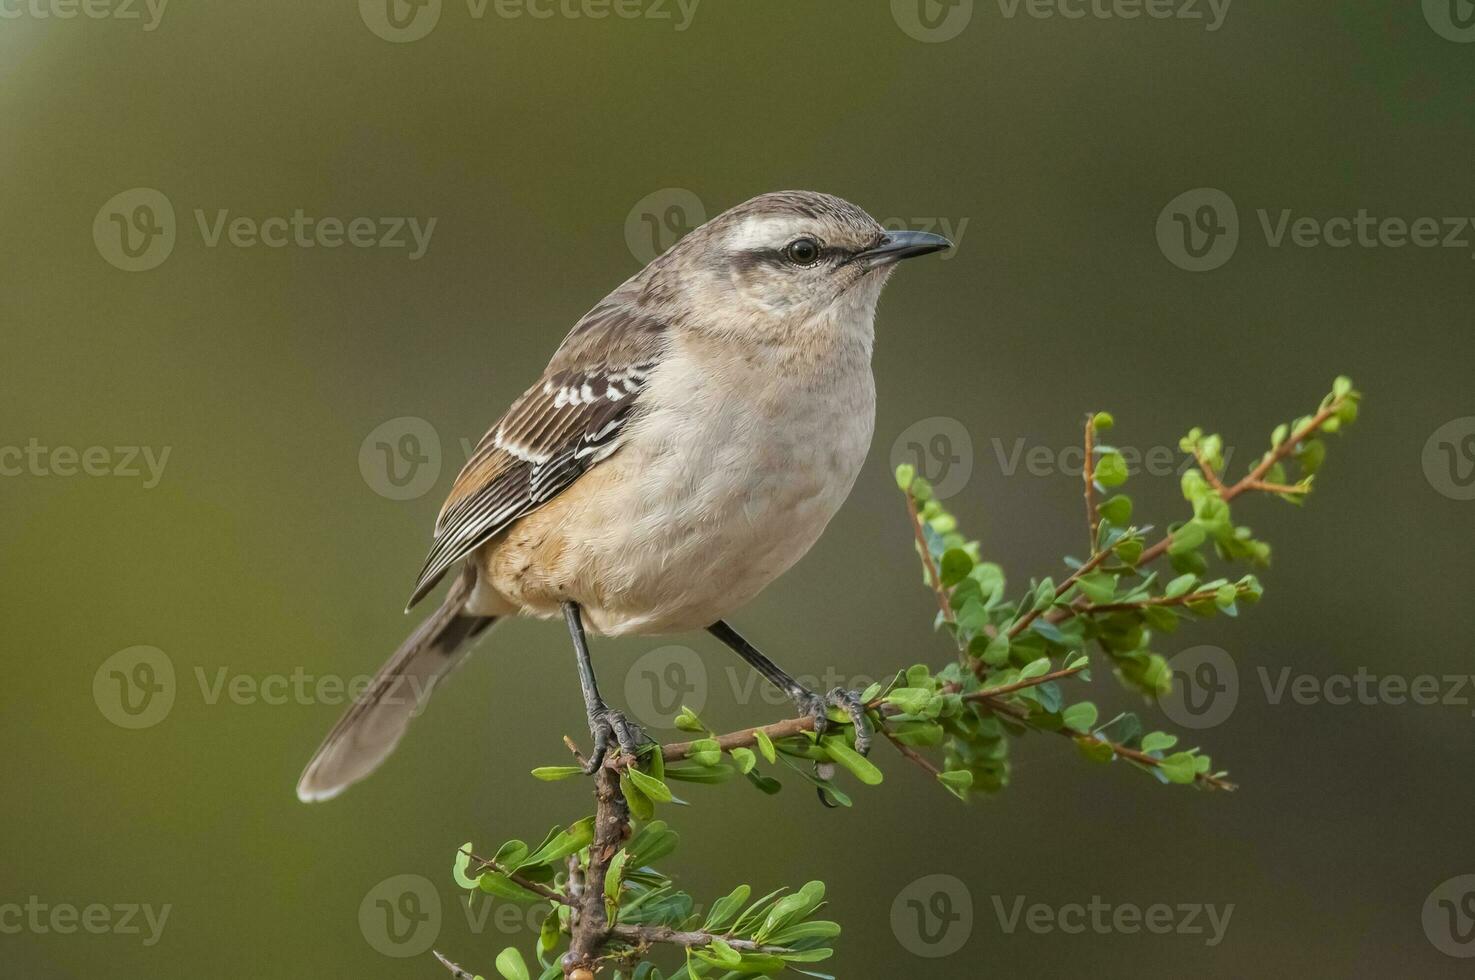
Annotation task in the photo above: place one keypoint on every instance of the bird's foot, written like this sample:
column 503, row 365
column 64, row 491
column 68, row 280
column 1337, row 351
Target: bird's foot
column 609, row 725
column 817, row 706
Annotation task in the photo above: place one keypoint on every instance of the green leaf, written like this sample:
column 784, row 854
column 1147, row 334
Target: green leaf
column 705, row 752
column 497, row 884
column 463, row 864
column 1157, row 741
column 1098, row 586
column 957, row 782
column 1035, row 668
column 1102, row 421
column 765, row 745
column 1117, row 509
column 905, row 474
column 511, row 964
column 1111, row 469
column 1180, row 586
column 859, row 766
column 551, row 774
column 688, row 721
column 725, row 910
column 614, row 874
column 1079, row 717
column 745, row 760
column 956, row 564
column 650, row 785
column 1178, row 767
column 641, row 806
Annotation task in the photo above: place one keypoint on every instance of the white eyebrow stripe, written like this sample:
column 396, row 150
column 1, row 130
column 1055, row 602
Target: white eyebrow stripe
column 766, row 232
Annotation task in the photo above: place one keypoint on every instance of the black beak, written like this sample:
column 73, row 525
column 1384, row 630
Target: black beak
column 898, row 245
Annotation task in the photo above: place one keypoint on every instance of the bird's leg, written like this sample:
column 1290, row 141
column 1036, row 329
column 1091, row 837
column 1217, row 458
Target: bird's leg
column 809, row 702
column 605, row 723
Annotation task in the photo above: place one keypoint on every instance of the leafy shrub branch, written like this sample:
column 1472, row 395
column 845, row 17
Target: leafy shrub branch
column 611, row 911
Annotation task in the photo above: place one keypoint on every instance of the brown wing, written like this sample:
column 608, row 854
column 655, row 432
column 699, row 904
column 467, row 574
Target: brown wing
column 560, row 428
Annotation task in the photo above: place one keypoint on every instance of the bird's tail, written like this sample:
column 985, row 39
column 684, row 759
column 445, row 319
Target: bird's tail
column 372, row 726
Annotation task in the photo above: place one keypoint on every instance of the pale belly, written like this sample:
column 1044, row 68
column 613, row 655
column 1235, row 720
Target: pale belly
column 704, row 506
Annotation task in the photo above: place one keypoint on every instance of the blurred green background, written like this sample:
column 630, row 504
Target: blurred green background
column 551, row 151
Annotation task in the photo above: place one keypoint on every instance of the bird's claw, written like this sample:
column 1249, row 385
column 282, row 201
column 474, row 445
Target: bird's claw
column 817, row 706
column 607, row 724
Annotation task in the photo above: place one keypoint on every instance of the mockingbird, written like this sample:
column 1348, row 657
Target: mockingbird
column 689, row 441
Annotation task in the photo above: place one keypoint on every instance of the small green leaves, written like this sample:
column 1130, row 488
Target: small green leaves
column 1117, row 509
column 511, row 965
column 957, row 782
column 1102, row 421
column 650, row 785
column 1111, row 469
column 1079, row 717
column 765, row 745
column 551, row 774
column 860, row 767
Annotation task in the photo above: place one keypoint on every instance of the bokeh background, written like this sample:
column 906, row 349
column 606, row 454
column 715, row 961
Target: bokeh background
column 314, row 404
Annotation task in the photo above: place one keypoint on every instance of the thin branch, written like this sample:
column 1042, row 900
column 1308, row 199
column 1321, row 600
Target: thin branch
column 910, row 753
column 944, row 601
column 487, row 864
column 646, row 935
column 590, row 926
column 1125, row 752
column 456, row 970
column 1088, row 474
column 1022, row 623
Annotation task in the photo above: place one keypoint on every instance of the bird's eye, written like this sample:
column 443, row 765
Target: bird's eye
column 802, row 251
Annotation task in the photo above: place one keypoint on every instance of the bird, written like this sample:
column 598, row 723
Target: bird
column 687, row 443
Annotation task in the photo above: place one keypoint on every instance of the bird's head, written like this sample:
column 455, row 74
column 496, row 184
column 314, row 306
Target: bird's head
column 787, row 260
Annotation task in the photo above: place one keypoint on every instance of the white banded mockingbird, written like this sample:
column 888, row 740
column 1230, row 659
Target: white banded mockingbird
column 687, row 444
